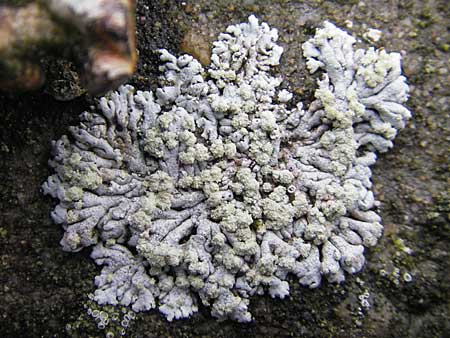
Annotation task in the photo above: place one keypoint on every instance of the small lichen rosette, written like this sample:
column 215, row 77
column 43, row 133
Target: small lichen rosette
column 217, row 187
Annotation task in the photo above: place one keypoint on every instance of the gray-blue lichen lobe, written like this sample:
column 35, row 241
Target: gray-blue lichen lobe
column 217, row 187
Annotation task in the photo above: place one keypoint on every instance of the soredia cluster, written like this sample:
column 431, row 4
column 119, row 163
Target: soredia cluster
column 217, row 187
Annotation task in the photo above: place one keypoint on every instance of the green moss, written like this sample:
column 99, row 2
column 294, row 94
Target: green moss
column 445, row 47
column 3, row 233
column 422, row 24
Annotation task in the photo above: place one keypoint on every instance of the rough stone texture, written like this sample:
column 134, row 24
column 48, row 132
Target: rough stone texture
column 42, row 287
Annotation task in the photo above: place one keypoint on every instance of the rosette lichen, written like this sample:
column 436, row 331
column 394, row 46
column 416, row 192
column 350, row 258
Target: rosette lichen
column 216, row 187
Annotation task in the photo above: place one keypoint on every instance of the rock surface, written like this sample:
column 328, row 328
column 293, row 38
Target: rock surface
column 404, row 288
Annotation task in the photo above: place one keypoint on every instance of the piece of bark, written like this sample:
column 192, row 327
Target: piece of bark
column 97, row 35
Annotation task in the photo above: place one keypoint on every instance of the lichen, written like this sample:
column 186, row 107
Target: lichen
column 217, row 187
